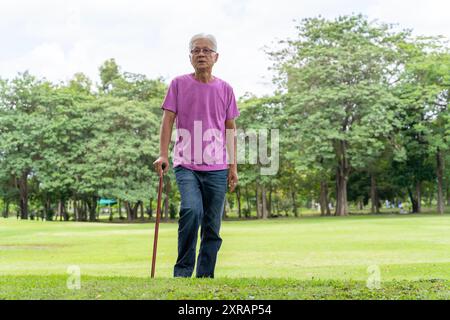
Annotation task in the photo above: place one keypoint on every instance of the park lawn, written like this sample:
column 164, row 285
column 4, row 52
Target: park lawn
column 282, row 258
column 54, row 287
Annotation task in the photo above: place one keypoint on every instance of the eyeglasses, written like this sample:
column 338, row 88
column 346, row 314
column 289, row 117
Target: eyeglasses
column 197, row 51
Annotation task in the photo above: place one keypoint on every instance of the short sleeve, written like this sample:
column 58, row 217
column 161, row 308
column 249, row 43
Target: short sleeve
column 170, row 101
column 232, row 109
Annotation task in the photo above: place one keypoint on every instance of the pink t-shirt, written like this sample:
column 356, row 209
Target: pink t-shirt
column 201, row 110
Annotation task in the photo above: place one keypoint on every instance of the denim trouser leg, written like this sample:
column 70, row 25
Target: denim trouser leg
column 202, row 199
column 214, row 189
column 191, row 210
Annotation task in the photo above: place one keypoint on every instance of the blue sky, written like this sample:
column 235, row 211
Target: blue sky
column 55, row 39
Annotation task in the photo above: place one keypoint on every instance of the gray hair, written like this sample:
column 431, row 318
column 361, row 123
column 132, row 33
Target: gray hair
column 209, row 37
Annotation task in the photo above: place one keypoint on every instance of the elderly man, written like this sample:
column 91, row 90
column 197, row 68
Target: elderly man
column 204, row 158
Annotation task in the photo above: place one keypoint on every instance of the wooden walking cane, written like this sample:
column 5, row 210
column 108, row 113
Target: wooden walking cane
column 158, row 217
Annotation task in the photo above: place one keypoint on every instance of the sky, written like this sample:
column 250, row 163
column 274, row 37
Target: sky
column 56, row 38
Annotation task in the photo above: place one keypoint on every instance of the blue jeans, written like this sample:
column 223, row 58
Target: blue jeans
column 202, row 200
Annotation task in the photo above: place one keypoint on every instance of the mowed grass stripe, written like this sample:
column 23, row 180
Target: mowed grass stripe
column 412, row 247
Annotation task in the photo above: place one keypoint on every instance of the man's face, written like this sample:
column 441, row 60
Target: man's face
column 202, row 58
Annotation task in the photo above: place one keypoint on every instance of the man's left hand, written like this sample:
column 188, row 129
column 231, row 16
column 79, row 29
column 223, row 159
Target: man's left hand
column 232, row 178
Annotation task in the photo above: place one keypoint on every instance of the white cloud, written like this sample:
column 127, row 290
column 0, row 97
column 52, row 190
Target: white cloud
column 55, row 39
column 429, row 17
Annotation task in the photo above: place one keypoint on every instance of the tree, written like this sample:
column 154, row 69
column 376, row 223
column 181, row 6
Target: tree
column 423, row 93
column 429, row 74
column 109, row 72
column 338, row 76
column 80, row 83
column 61, row 142
column 258, row 117
column 138, row 87
column 20, row 128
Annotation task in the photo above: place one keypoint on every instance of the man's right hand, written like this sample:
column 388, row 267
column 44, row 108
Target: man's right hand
column 161, row 165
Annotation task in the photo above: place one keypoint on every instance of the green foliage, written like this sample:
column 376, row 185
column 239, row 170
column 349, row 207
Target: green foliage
column 109, row 72
column 354, row 89
column 356, row 99
column 338, row 77
column 80, row 83
column 69, row 143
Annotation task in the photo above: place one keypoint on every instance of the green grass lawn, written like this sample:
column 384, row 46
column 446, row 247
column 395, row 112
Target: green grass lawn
column 283, row 258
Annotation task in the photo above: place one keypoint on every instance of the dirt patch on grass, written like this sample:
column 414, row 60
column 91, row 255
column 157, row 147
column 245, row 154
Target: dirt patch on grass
column 31, row 246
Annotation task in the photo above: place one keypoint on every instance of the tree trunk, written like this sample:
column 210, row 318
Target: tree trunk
column 448, row 194
column 58, row 212
column 324, row 208
column 47, row 205
column 416, row 198
column 76, row 212
column 341, row 195
column 23, row 194
column 419, row 196
column 375, row 203
column 342, row 172
column 269, row 202
column 6, row 209
column 142, row 210
column 247, row 199
column 78, row 209
column 224, row 212
column 85, row 211
column 62, row 211
column 294, row 203
column 258, row 202
column 328, row 201
column 238, row 200
column 440, row 178
column 166, row 199
column 67, row 207
column 135, row 210
column 92, row 206
column 166, row 208
column 97, row 212
column 111, row 216
column 150, row 212
column 120, row 210
column 277, row 205
column 129, row 211
column 65, row 210
column 413, row 200
column 264, row 202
